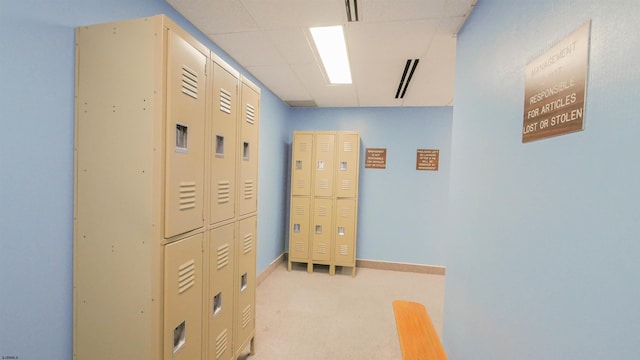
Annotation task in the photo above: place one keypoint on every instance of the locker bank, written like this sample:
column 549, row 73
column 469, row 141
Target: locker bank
column 538, row 239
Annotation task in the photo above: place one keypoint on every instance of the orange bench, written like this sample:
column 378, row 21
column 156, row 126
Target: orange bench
column 418, row 337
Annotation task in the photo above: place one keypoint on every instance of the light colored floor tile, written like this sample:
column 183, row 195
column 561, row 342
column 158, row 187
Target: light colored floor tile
column 317, row 316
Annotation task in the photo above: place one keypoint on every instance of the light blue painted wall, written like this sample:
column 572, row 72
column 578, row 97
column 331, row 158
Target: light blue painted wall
column 401, row 212
column 543, row 259
column 36, row 166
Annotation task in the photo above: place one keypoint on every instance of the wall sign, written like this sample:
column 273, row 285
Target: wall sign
column 555, row 88
column 427, row 159
column 376, row 158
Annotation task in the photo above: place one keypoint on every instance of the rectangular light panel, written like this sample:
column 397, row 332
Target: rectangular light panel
column 332, row 48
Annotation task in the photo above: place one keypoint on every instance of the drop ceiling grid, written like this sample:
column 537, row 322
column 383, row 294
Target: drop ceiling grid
column 269, row 38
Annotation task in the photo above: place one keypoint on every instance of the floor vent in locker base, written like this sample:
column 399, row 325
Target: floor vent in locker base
column 246, row 316
column 221, row 343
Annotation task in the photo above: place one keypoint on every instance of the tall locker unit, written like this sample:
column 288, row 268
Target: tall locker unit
column 156, row 206
column 221, row 247
column 324, row 198
column 247, row 222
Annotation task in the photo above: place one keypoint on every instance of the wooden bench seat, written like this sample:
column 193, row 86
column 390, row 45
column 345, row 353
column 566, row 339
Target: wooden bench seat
column 418, row 337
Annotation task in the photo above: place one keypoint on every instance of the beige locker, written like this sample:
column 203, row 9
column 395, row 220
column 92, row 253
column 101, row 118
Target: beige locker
column 223, row 146
column 348, row 153
column 186, row 98
column 324, row 161
column 321, row 229
column 245, row 284
column 301, row 164
column 183, row 276
column 345, row 232
column 299, row 229
column 221, row 292
column 136, row 88
column 248, row 147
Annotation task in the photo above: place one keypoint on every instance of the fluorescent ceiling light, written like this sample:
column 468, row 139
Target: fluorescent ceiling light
column 333, row 52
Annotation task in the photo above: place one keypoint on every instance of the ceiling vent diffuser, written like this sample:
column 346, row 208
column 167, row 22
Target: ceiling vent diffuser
column 405, row 80
column 352, row 10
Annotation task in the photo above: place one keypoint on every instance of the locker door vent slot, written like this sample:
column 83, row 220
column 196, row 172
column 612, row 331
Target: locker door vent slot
column 248, row 189
column 223, row 256
column 179, row 336
column 246, row 316
column 298, row 165
column 251, row 114
column 319, row 229
column 300, row 246
column 243, row 282
column 186, row 276
column 324, row 147
column 187, row 195
column 189, row 82
column 302, row 147
column 300, row 211
column 341, row 230
column 343, row 166
column 345, row 212
column 245, row 151
column 217, row 304
column 182, row 132
column 219, row 146
column 322, row 249
column 323, row 211
column 248, row 243
column 225, row 101
column 347, row 146
column 224, row 192
column 323, row 184
column 344, row 250
column 300, row 184
column 346, row 185
column 221, row 343
column 296, row 228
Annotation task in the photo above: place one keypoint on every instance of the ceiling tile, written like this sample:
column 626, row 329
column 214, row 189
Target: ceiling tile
column 401, row 10
column 293, row 45
column 390, row 41
column 213, row 17
column 282, row 14
column 282, row 81
column 249, row 48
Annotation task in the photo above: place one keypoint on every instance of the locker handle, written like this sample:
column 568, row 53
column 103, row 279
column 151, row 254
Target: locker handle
column 341, row 230
column 243, row 282
column 217, row 303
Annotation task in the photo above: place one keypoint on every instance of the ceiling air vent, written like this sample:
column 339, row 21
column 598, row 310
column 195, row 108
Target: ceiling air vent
column 352, row 10
column 404, row 81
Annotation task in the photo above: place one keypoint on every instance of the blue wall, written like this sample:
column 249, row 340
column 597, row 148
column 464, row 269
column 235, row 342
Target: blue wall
column 543, row 258
column 401, row 212
column 36, row 165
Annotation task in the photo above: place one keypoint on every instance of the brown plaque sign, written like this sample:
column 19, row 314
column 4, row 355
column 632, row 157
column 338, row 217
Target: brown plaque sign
column 427, row 159
column 555, row 88
column 376, row 158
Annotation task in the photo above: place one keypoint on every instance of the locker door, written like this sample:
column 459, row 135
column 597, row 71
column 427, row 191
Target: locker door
column 348, row 156
column 321, row 229
column 221, row 280
column 324, row 164
column 183, row 299
column 301, row 164
column 299, row 228
column 185, row 137
column 345, row 231
column 246, row 282
column 249, row 128
column 223, row 145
